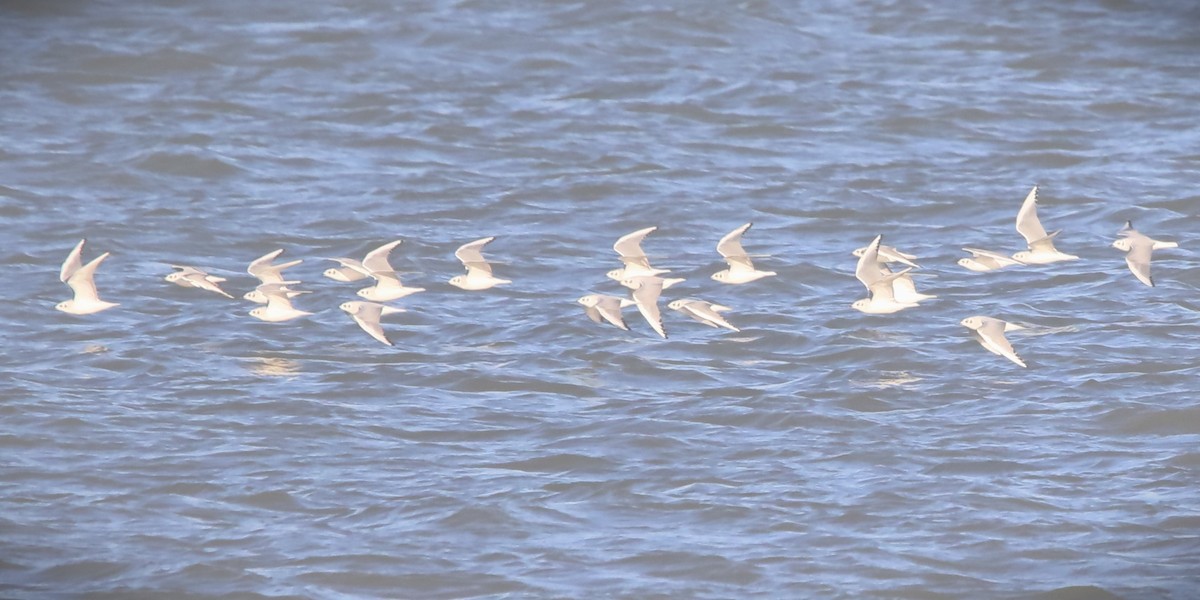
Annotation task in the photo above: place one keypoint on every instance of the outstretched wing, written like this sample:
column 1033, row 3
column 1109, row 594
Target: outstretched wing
column 471, row 256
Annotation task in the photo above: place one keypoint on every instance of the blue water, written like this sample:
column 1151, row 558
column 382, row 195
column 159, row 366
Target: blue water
column 175, row 447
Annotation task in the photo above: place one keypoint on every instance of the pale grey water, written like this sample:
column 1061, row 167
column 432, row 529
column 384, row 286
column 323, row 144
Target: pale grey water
column 174, row 447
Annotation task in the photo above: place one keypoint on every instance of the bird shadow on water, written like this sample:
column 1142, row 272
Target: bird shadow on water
column 265, row 365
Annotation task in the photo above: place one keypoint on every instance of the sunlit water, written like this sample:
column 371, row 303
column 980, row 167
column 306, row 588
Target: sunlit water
column 507, row 446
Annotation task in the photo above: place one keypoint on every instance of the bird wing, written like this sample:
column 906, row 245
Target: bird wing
column 83, row 281
column 996, row 256
column 377, row 259
column 646, row 297
column 609, row 308
column 991, row 335
column 371, row 326
column 708, row 314
column 1028, row 224
column 730, row 246
column 867, row 269
column 1045, row 244
column 471, row 256
column 882, row 289
column 72, row 263
column 593, row 313
column 1138, row 259
column 890, row 254
column 631, row 244
column 262, row 264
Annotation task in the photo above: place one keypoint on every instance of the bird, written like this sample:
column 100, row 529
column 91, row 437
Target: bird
column 904, row 288
column 258, row 297
column 881, row 297
column 387, row 281
column 630, row 282
column 351, row 270
column 1041, row 245
column 81, row 279
column 1137, row 248
column 646, row 290
column 990, row 333
column 193, row 277
column 741, row 269
column 602, row 307
column 266, row 272
column 890, row 254
column 704, row 312
column 479, row 271
column 982, row 261
column 279, row 305
column 637, row 264
column 367, row 315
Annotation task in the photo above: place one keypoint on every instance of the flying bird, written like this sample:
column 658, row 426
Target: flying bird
column 81, row 279
column 1137, row 248
column 741, row 269
column 479, row 272
column 1041, row 245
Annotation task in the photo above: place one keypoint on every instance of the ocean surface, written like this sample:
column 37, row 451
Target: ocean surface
column 508, row 447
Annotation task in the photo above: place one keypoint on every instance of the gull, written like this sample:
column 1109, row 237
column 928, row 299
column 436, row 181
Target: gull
column 990, row 333
column 258, row 297
column 367, row 315
column 387, row 280
column 636, row 263
column 279, row 305
column 646, row 291
column 904, row 288
column 982, row 261
column 890, row 254
column 881, row 297
column 741, row 269
column 351, row 270
column 1041, row 246
column 193, row 277
column 266, row 272
column 630, row 282
column 1138, row 247
column 479, row 272
column 81, row 279
column 704, row 312
column 601, row 307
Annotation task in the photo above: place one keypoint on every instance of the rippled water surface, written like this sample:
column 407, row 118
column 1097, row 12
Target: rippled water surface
column 175, row 447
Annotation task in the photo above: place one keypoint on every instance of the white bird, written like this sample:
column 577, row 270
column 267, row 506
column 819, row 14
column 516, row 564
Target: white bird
column 258, row 297
column 904, row 288
column 890, row 254
column 81, row 279
column 741, row 269
column 982, row 261
column 881, row 297
column 629, row 247
column 990, row 333
column 630, row 282
column 1041, row 246
column 704, row 312
column 279, row 305
column 1138, row 247
column 266, row 272
column 601, row 307
column 646, row 290
column 193, row 277
column 367, row 315
column 479, row 271
column 387, row 281
column 351, row 270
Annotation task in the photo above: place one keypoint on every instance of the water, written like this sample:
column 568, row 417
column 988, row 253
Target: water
column 175, row 447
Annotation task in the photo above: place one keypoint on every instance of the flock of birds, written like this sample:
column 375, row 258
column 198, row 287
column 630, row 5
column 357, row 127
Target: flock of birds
column 888, row 291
